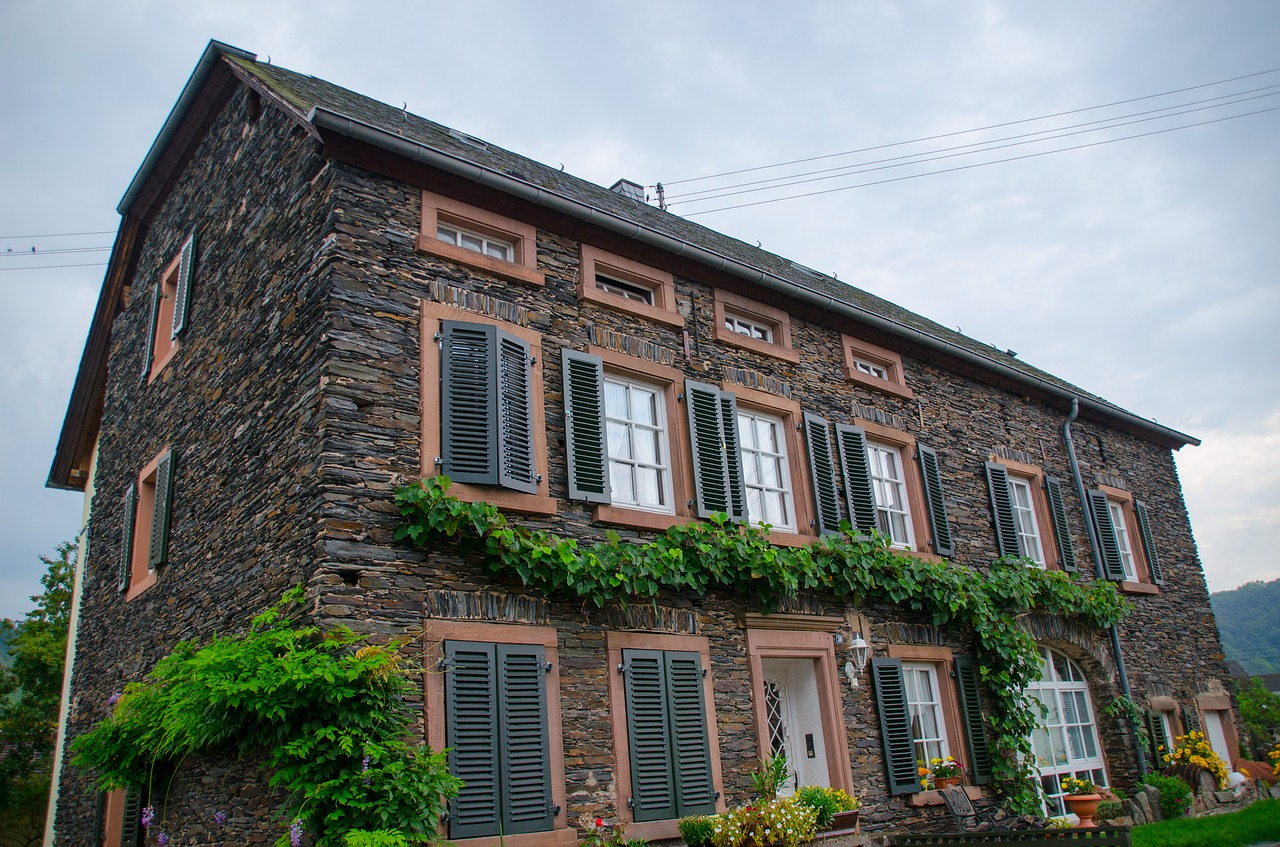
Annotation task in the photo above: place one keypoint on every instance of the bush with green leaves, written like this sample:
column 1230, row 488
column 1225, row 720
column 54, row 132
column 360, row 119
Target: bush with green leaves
column 717, row 555
column 1108, row 810
column 696, row 829
column 328, row 710
column 1175, row 795
column 827, row 802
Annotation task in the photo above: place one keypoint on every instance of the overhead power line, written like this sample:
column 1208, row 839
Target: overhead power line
column 52, row 267
column 27, row 254
column 976, row 164
column 937, row 155
column 669, row 183
column 57, row 235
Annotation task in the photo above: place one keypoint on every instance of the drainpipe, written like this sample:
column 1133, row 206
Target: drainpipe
column 1100, row 573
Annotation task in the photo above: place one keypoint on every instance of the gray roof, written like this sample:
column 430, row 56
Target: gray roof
column 307, row 95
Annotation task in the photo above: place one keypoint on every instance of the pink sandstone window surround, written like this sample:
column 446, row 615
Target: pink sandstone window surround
column 141, row 575
column 163, row 345
column 874, row 367
column 442, row 212
column 744, row 313
column 598, row 268
column 1122, row 499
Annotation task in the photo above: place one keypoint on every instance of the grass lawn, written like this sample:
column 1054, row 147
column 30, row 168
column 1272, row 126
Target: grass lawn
column 1259, row 822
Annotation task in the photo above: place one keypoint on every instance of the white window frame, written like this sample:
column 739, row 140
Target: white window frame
column 625, row 289
column 663, row 464
column 1074, row 758
column 1122, row 539
column 937, row 746
column 883, row 484
column 495, row 248
column 1024, row 515
column 749, row 327
column 870, row 368
column 754, row 457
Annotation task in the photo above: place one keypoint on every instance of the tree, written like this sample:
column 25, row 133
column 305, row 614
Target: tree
column 1260, row 714
column 30, row 693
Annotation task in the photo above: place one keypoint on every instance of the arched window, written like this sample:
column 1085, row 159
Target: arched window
column 1066, row 741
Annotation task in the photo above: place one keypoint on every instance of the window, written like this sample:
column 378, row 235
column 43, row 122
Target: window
column 479, row 239
column 1162, row 726
column 893, row 513
column 1021, row 514
column 118, row 819
column 922, row 711
column 170, row 303
column 924, row 705
column 624, row 289
column 148, row 505
column 636, row 422
column 766, row 476
column 1117, row 519
column 1066, row 741
column 750, row 324
column 624, row 285
column 888, row 494
column 496, row 247
column 875, row 367
column 482, row 415
column 745, row 444
column 626, row 450
column 492, row 699
column 665, row 744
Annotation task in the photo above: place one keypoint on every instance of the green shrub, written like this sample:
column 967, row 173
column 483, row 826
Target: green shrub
column 771, row 776
column 826, row 802
column 1175, row 795
column 375, row 838
column 696, row 829
column 1108, row 810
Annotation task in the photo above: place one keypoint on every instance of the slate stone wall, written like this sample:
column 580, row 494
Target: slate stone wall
column 240, row 402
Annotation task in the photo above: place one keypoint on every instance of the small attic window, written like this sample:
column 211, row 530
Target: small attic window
column 468, row 139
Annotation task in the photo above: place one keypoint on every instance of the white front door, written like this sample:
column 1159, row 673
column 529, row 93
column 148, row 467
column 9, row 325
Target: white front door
column 1217, row 737
column 793, row 719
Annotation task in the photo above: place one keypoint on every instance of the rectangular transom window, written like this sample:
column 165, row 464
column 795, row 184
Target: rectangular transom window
column 893, row 511
column 748, row 327
column 639, row 467
column 475, row 242
column 766, row 475
column 870, row 368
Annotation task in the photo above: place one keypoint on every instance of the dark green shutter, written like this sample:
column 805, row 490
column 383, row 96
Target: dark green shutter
column 1159, row 740
column 1002, row 510
column 1058, row 509
column 691, row 754
column 653, row 791
column 1109, row 545
column 895, row 726
column 525, row 746
column 468, row 402
column 151, row 333
column 584, row 426
column 733, row 456
column 158, row 554
column 517, row 459
column 99, row 818
column 132, row 832
column 471, row 734
column 975, row 727
column 931, row 473
column 1148, row 543
column 126, row 534
column 182, row 292
column 851, row 442
column 817, row 436
column 712, row 490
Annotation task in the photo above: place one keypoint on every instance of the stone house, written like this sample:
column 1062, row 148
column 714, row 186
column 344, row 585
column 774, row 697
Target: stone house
column 314, row 298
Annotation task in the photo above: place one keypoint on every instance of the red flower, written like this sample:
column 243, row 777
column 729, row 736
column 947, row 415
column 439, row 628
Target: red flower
column 599, row 822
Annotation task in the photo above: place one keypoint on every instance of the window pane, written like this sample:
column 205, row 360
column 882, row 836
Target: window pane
column 646, row 444
column 620, row 479
column 648, row 490
column 472, row 242
column 615, row 400
column 619, row 441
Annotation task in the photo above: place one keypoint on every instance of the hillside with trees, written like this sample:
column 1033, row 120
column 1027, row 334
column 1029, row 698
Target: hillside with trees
column 1249, row 621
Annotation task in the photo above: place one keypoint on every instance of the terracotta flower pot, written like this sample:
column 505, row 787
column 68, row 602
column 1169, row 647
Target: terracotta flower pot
column 946, row 782
column 1084, row 806
column 844, row 820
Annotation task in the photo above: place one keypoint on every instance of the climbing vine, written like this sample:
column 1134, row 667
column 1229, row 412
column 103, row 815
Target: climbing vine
column 718, row 555
column 328, row 710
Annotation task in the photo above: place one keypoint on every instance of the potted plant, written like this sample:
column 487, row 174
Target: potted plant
column 945, row 772
column 1082, row 798
column 836, row 809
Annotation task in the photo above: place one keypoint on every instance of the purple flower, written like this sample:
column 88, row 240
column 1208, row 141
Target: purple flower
column 113, row 699
column 220, row 817
column 162, row 839
column 364, row 768
column 148, row 817
column 295, row 834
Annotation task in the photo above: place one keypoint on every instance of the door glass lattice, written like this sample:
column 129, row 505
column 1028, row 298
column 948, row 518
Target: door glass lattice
column 775, row 704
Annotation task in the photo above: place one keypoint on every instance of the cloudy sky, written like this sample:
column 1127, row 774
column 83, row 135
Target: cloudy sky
column 1144, row 270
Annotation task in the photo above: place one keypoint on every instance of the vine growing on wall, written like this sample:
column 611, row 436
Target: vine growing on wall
column 720, row 556
column 328, row 710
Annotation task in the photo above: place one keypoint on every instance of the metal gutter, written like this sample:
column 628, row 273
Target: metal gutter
column 326, row 119
column 1100, row 573
column 190, row 91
